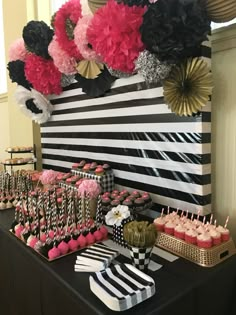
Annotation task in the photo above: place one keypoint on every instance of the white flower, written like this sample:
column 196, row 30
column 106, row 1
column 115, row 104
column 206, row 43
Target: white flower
column 116, row 215
column 23, row 95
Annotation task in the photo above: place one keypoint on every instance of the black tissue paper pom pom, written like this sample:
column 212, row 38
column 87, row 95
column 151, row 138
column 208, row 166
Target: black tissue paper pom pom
column 16, row 70
column 37, row 36
column 138, row 3
column 174, row 29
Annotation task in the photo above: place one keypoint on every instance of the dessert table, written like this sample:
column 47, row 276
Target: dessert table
column 29, row 285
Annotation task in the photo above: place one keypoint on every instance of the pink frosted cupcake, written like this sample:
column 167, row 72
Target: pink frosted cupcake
column 200, row 229
column 179, row 231
column 216, row 236
column 159, row 224
column 224, row 233
column 169, row 228
column 204, row 240
column 191, row 236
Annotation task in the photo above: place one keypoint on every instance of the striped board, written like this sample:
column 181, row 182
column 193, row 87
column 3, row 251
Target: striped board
column 121, row 287
column 132, row 129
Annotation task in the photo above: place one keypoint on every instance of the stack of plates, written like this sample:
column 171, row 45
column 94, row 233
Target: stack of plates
column 121, row 287
column 95, row 258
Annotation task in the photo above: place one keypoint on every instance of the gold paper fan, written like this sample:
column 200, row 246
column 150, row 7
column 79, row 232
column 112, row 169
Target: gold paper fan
column 188, row 87
column 221, row 11
column 96, row 4
column 89, row 69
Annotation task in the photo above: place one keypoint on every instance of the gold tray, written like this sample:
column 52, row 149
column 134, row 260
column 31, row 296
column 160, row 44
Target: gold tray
column 200, row 256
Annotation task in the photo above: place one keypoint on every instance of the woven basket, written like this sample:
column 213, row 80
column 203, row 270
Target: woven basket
column 200, row 256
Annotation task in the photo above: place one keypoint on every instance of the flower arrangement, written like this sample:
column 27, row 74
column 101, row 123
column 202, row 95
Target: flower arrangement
column 48, row 177
column 121, row 38
column 116, row 215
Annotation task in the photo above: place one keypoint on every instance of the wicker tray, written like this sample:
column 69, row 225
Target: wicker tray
column 200, row 256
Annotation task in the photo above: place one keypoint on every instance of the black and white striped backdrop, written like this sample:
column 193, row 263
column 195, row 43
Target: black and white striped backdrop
column 131, row 128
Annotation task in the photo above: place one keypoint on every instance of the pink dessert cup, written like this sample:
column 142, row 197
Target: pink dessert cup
column 204, row 243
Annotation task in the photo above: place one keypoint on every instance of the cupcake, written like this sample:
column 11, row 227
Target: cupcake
column 136, row 194
column 93, row 166
column 139, row 204
column 204, row 240
column 159, row 224
column 191, row 236
column 169, row 228
column 124, row 193
column 99, row 171
column 216, row 236
column 115, row 203
column 200, row 229
column 106, row 167
column 114, row 195
column 224, row 233
column 179, row 231
column 75, row 165
column 81, row 164
column 115, row 191
column 86, row 168
column 127, row 202
column 106, row 201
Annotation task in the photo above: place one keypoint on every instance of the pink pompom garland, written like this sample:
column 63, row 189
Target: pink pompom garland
column 48, row 177
column 43, row 75
column 62, row 60
column 70, row 10
column 118, row 43
column 17, row 50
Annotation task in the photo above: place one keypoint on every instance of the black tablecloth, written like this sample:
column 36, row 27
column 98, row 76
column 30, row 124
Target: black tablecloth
column 29, row 285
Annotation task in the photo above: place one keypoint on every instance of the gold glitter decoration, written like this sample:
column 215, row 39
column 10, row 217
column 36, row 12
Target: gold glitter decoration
column 188, row 87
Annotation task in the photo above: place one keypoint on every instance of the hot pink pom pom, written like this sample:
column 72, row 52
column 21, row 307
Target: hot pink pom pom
column 70, row 10
column 63, row 248
column 119, row 43
column 89, row 187
column 90, row 238
column 98, row 235
column 18, row 230
column 53, row 253
column 81, row 40
column 17, row 50
column 62, row 60
column 43, row 75
column 104, row 231
column 81, row 241
column 73, row 244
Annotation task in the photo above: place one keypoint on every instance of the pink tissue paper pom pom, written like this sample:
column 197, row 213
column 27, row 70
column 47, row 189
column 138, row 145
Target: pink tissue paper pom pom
column 43, row 75
column 17, row 50
column 119, row 43
column 71, row 10
column 89, row 187
column 62, row 60
column 54, row 253
column 48, row 177
column 81, row 40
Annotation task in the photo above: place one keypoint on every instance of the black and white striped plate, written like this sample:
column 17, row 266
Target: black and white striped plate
column 122, row 286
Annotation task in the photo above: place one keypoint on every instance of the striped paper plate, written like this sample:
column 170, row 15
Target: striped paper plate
column 121, row 287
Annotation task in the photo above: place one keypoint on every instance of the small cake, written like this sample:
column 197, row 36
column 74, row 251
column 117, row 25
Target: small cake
column 93, row 166
column 106, row 167
column 159, row 224
column 115, row 203
column 114, row 195
column 139, row 204
column 81, row 164
column 99, row 171
column 225, row 235
column 106, row 201
column 200, row 229
column 169, row 227
column 179, row 231
column 86, row 168
column 191, row 236
column 124, row 193
column 75, row 165
column 127, row 202
column 216, row 236
column 204, row 240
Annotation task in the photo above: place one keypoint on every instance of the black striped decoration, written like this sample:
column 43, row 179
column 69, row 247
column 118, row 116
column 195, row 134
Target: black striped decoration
column 121, row 287
column 132, row 129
